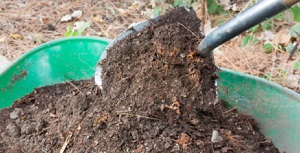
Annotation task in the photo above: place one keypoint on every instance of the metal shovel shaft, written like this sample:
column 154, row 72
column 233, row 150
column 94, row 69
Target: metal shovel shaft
column 259, row 12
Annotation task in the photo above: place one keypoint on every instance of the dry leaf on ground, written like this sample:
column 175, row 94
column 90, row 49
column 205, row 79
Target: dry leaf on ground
column 101, row 119
column 184, row 140
column 2, row 39
column 75, row 15
column 16, row 36
column 282, row 37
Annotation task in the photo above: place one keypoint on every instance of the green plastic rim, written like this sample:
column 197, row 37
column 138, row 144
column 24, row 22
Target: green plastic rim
column 54, row 62
column 274, row 107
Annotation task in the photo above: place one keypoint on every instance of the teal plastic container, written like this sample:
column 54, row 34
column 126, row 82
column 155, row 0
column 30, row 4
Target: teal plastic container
column 274, row 107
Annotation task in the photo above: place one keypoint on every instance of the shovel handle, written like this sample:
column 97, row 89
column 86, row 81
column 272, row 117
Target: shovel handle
column 289, row 3
column 254, row 15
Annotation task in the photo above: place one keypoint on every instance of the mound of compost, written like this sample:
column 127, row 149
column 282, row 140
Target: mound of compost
column 157, row 96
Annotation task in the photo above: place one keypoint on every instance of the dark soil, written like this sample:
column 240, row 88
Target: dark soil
column 158, row 96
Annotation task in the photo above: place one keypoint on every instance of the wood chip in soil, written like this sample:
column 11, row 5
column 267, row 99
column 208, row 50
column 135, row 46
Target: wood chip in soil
column 158, row 96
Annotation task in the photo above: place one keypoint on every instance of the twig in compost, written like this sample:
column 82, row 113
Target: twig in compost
column 44, row 151
column 293, row 52
column 250, row 126
column 138, row 116
column 126, row 111
column 266, row 141
column 67, row 141
column 75, row 87
column 229, row 111
column 212, row 147
column 188, row 29
column 277, row 49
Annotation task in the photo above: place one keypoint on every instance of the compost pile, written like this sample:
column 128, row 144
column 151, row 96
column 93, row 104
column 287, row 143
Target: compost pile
column 158, row 96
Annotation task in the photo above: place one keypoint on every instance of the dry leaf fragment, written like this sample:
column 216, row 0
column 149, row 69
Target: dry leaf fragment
column 153, row 3
column 98, row 19
column 137, row 5
column 191, row 54
column 16, row 36
column 208, row 27
column 236, row 140
column 281, row 38
column 134, row 5
column 95, row 143
column 79, row 128
column 235, row 7
column 175, row 106
column 267, row 36
column 184, row 140
column 159, row 48
column 293, row 80
column 122, row 11
column 44, row 20
column 2, row 39
column 101, row 119
column 225, row 2
column 77, row 14
column 78, row 25
column 140, row 149
column 106, row 33
column 66, row 18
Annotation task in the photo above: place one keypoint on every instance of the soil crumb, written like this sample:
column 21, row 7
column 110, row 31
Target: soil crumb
column 158, row 96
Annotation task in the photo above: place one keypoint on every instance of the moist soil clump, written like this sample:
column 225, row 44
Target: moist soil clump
column 157, row 96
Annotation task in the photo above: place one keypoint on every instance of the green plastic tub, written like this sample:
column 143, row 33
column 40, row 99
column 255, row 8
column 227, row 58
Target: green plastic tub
column 274, row 107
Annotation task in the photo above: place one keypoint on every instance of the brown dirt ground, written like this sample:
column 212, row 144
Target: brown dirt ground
column 25, row 24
